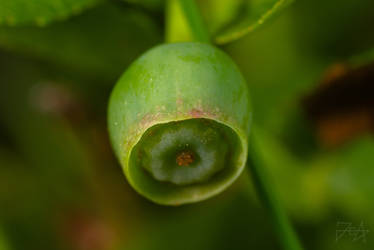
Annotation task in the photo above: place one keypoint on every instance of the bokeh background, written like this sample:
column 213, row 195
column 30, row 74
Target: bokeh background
column 310, row 70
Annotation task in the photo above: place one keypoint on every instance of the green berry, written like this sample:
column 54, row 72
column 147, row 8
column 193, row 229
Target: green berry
column 179, row 120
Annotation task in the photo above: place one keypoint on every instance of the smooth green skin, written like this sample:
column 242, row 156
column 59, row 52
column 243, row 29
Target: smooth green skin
column 174, row 82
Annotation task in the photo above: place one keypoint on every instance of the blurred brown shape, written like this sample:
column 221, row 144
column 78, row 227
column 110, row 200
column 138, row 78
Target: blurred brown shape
column 57, row 100
column 88, row 232
column 342, row 106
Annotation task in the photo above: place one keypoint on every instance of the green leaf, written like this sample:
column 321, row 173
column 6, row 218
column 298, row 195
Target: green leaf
column 40, row 12
column 225, row 20
column 231, row 19
column 99, row 43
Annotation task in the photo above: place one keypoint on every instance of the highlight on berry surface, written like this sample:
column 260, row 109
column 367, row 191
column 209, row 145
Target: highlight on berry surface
column 179, row 120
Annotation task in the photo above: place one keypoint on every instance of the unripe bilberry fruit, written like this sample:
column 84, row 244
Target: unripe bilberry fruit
column 179, row 119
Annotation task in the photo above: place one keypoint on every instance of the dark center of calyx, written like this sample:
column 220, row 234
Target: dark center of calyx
column 183, row 152
column 185, row 158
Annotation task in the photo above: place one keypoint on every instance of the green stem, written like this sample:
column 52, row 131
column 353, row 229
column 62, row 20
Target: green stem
column 195, row 20
column 169, row 9
column 262, row 182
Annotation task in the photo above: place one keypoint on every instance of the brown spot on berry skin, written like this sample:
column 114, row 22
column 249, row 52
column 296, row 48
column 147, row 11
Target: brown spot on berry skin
column 185, row 158
column 196, row 113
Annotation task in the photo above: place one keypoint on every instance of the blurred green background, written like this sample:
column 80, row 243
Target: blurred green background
column 310, row 70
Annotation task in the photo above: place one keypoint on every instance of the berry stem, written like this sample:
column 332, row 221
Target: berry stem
column 268, row 196
column 195, row 21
